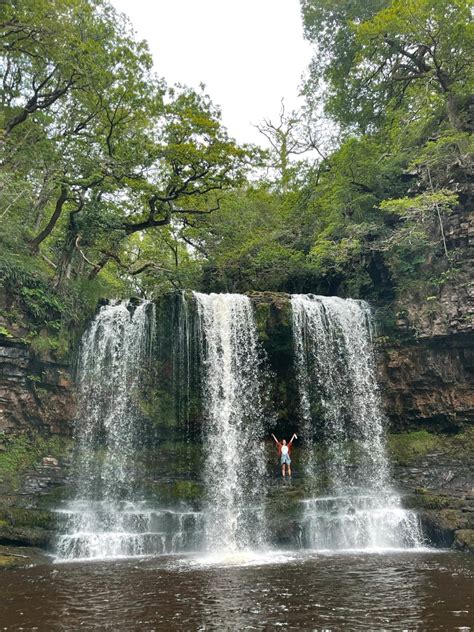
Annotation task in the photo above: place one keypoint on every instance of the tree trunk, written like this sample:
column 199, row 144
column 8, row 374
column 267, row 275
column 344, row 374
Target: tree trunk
column 43, row 198
column 454, row 113
column 63, row 271
column 48, row 229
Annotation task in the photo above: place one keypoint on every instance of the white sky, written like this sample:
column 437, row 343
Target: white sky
column 249, row 53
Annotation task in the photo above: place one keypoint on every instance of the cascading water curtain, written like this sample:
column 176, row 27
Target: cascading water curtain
column 114, row 353
column 233, row 429
column 342, row 415
column 182, row 358
column 336, row 374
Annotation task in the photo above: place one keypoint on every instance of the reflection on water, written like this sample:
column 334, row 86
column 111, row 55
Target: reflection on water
column 391, row 592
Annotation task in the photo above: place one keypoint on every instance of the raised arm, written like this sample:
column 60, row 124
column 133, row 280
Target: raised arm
column 276, row 440
column 293, row 437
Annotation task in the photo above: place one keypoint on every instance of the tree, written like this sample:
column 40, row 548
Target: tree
column 286, row 140
column 378, row 55
column 108, row 151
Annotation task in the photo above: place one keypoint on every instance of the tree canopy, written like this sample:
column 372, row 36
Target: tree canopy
column 114, row 183
column 95, row 147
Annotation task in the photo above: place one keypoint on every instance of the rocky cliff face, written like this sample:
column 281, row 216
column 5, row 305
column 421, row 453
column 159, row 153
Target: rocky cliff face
column 426, row 378
column 429, row 384
column 36, row 391
column 34, row 394
column 428, row 375
column 36, row 412
column 37, row 407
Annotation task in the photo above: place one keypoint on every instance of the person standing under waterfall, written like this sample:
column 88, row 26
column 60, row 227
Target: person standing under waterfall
column 284, row 450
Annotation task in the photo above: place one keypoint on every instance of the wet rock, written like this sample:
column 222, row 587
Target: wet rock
column 464, row 540
column 50, row 461
column 428, row 380
column 25, row 536
column 33, row 393
column 428, row 385
column 288, row 534
column 15, row 556
column 441, row 526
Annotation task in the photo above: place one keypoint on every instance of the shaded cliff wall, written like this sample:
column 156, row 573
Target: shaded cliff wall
column 36, row 389
column 425, row 382
column 427, row 377
column 429, row 384
column 427, row 361
column 34, row 394
column 425, row 373
column 425, row 366
column 37, row 407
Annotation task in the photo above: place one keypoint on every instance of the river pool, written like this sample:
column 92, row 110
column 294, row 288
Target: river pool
column 403, row 590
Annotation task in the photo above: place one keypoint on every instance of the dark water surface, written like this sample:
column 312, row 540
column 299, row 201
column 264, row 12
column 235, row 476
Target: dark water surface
column 390, row 591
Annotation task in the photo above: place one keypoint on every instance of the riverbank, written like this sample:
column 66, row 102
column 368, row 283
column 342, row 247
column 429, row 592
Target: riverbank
column 22, row 557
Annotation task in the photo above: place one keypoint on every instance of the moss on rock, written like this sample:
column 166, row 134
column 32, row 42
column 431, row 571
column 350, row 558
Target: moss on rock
column 177, row 492
column 19, row 453
column 424, row 499
column 15, row 556
column 406, row 447
column 20, row 517
column 464, row 540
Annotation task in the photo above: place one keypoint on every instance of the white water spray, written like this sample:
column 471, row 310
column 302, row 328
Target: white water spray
column 341, row 411
column 108, row 518
column 233, row 426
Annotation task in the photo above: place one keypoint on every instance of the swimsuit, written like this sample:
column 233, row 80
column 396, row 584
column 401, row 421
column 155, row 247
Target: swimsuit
column 285, row 455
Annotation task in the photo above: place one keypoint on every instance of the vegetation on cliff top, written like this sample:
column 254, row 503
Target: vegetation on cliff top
column 113, row 183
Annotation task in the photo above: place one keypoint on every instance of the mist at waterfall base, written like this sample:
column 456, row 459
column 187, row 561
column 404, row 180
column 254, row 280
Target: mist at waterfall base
column 349, row 503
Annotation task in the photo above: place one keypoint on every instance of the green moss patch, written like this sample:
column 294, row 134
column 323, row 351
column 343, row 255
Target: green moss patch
column 424, row 499
column 19, row 517
column 177, row 492
column 464, row 540
column 8, row 561
column 407, row 447
column 21, row 452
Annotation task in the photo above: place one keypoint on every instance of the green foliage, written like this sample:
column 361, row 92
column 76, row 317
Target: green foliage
column 371, row 212
column 406, row 447
column 21, row 452
column 379, row 55
column 50, row 314
column 96, row 152
column 114, row 184
column 418, row 206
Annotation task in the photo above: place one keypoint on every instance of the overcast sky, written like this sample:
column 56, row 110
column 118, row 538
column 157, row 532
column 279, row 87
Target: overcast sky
column 249, row 53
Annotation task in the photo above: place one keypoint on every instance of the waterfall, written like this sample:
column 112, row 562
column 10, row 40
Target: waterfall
column 108, row 516
column 112, row 356
column 233, row 425
column 210, row 345
column 343, row 426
